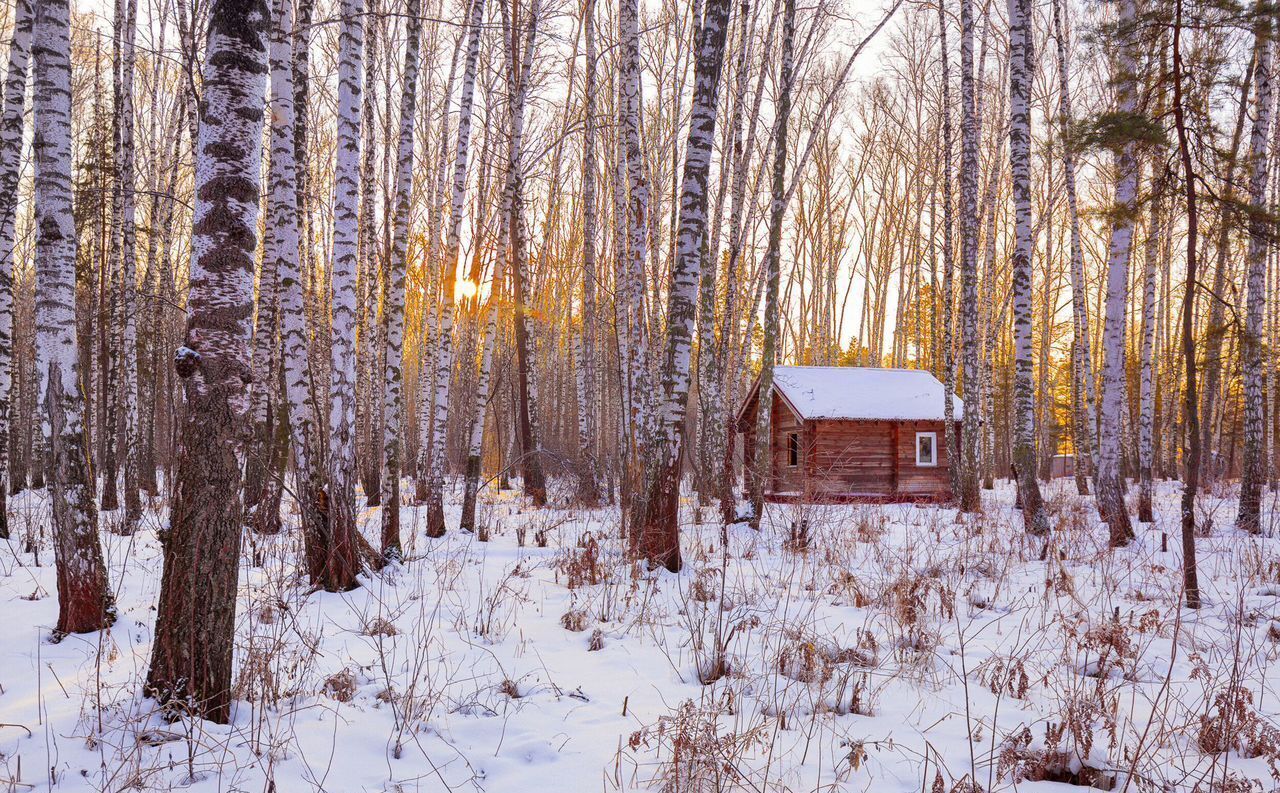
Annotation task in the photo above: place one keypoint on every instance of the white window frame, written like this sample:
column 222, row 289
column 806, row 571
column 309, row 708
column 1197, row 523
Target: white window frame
column 933, row 436
column 793, row 449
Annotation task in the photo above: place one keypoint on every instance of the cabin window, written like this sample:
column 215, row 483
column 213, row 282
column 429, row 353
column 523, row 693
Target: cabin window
column 793, row 449
column 926, row 449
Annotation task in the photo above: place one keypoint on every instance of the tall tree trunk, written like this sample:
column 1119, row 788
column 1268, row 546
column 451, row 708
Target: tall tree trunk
column 970, row 498
column 588, row 493
column 1146, row 392
column 262, row 495
column 1252, row 361
column 195, row 623
column 1021, row 58
column 342, row 564
column 1082, row 350
column 11, row 122
column 397, row 267
column 1110, row 477
column 509, row 244
column 635, row 210
column 283, row 244
column 475, row 433
column 84, row 601
column 128, row 274
column 1190, row 585
column 444, row 350
column 534, row 483
column 948, row 265
column 656, row 535
column 1216, row 329
column 761, row 457
column 428, row 375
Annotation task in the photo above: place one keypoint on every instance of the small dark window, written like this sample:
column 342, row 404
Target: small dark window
column 793, row 449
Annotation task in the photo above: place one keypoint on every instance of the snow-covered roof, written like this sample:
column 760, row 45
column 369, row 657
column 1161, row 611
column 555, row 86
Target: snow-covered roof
column 864, row 393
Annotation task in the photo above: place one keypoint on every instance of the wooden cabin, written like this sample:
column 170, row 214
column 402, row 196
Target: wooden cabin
column 849, row 434
column 1062, row 465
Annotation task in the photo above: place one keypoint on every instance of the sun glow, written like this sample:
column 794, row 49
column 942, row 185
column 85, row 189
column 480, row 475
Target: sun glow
column 464, row 289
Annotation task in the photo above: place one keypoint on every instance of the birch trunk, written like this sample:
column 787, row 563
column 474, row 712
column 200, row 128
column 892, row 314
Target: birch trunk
column 342, row 565
column 1252, row 361
column 587, row 381
column 1217, row 326
column 283, row 244
column 195, row 625
column 1021, row 59
column 534, row 481
column 761, row 462
column 1110, row 477
column 430, row 298
column 1146, row 390
column 261, row 494
column 444, row 351
column 636, row 253
column 393, row 399
column 970, row 497
column 948, row 264
column 85, row 603
column 475, row 433
column 128, row 274
column 11, row 123
column 1082, row 350
column 656, row 535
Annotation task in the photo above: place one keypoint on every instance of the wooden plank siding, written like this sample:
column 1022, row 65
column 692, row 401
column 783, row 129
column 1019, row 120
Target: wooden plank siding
column 854, row 460
column 785, row 478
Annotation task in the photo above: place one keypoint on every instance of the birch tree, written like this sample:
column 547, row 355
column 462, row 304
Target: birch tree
column 1146, row 388
column 588, row 493
column 1110, row 479
column 1082, row 350
column 948, row 261
column 534, row 480
column 1252, row 364
column 656, row 536
column 11, row 125
column 970, row 498
column 84, row 601
column 195, row 625
column 283, row 245
column 1021, row 58
column 444, row 348
column 394, row 378
column 772, row 263
column 342, row 564
column 125, row 168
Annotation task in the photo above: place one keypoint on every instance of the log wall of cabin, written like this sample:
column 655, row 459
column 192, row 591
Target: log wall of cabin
column 852, row 457
column 914, row 479
column 786, row 478
column 865, row 458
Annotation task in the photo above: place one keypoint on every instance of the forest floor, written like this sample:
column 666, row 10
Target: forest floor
column 903, row 650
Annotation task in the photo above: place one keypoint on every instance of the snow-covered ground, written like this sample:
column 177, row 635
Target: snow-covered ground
column 903, row 650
